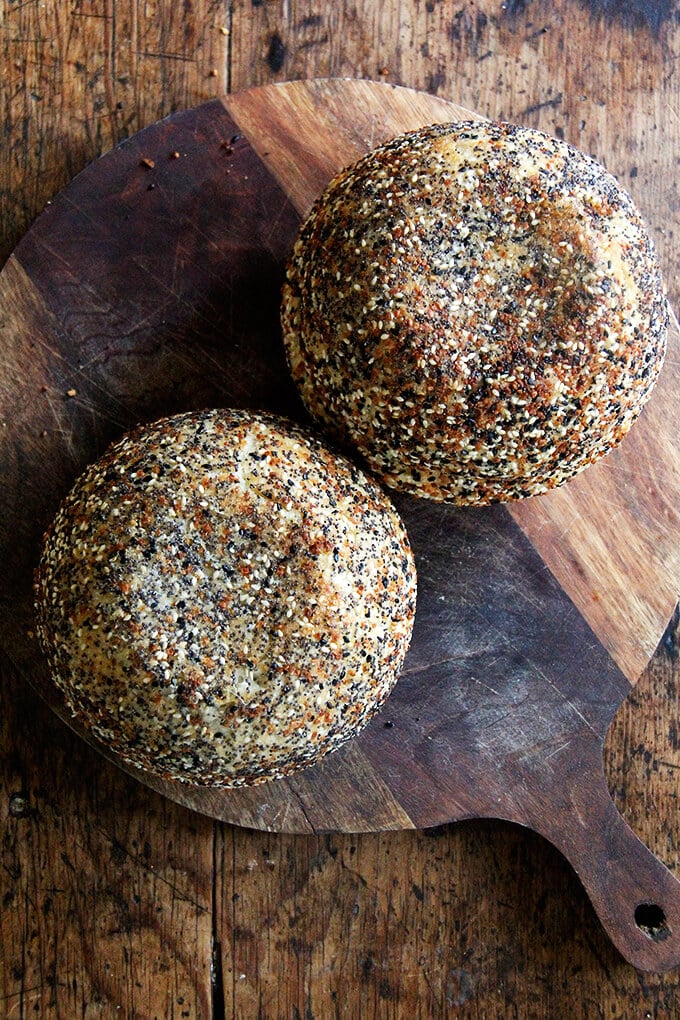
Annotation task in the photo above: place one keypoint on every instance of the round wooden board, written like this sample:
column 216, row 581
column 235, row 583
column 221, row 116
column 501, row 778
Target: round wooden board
column 151, row 285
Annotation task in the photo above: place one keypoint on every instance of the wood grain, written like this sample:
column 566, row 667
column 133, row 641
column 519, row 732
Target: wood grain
column 475, row 920
column 304, row 135
column 463, row 921
column 80, row 78
column 497, row 925
column 107, row 894
column 591, row 72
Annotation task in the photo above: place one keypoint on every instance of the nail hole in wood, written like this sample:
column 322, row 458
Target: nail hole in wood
column 650, row 919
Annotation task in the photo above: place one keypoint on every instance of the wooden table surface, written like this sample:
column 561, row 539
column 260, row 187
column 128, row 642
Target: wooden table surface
column 117, row 903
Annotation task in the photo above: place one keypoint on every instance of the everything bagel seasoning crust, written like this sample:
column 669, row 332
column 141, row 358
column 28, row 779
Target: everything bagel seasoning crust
column 223, row 599
column 478, row 309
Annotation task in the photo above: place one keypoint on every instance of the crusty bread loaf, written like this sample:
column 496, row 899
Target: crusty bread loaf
column 478, row 309
column 223, row 599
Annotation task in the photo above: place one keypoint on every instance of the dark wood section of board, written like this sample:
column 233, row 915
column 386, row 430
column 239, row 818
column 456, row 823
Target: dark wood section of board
column 150, row 287
column 118, row 901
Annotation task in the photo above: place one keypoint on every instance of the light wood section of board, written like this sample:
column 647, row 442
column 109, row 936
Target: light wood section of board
column 611, row 536
column 306, row 131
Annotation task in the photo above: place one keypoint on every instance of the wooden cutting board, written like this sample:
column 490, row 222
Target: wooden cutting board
column 151, row 285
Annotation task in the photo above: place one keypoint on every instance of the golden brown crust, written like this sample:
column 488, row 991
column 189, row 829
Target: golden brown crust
column 223, row 599
column 478, row 309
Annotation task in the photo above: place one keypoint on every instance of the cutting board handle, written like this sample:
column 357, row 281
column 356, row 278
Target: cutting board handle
column 636, row 898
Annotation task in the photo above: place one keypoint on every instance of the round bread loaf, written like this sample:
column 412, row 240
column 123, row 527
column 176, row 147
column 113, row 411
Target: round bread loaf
column 478, row 309
column 223, row 599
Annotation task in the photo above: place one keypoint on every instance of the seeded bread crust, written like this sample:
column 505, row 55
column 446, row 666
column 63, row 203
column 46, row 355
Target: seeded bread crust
column 223, row 599
column 478, row 309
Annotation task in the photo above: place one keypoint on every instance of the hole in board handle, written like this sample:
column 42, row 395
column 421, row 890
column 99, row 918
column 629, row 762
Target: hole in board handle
column 651, row 919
